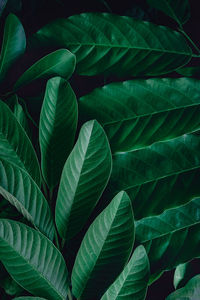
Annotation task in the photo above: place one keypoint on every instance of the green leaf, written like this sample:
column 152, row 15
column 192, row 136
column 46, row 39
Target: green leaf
column 184, row 272
column 20, row 190
column 11, row 287
column 104, row 250
column 189, row 71
column 179, row 10
column 84, row 177
column 14, row 44
column 137, row 113
column 171, row 238
column 58, row 63
column 163, row 175
column 190, row 292
column 134, row 48
column 32, row 260
column 133, row 281
column 28, row 298
column 15, row 145
column 58, row 122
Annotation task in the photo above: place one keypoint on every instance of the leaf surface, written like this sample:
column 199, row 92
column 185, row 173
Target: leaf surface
column 184, row 272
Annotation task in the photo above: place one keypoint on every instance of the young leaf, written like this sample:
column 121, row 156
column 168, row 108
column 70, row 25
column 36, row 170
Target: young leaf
column 171, row 238
column 32, row 260
column 84, row 177
column 20, row 190
column 137, row 113
column 104, row 250
column 58, row 122
column 184, row 272
column 179, row 10
column 111, row 44
column 133, row 281
column 15, row 145
column 14, row 44
column 160, row 176
column 58, row 63
column 190, row 292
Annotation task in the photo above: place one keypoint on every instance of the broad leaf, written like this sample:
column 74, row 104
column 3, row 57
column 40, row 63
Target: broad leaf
column 84, row 177
column 58, row 63
column 133, row 281
column 171, row 238
column 134, row 48
column 137, row 113
column 14, row 44
column 104, row 250
column 184, row 272
column 58, row 121
column 20, row 190
column 160, row 176
column 32, row 260
column 179, row 10
column 15, row 145
column 190, row 292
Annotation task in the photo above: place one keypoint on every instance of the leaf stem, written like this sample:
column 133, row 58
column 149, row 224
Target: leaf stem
column 70, row 297
column 189, row 39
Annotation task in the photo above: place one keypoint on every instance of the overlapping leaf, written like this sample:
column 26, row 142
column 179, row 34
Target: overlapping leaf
column 15, row 145
column 184, row 272
column 20, row 190
column 84, row 177
column 105, row 249
column 32, row 260
column 137, row 113
column 58, row 121
column 116, row 45
column 132, row 282
column 160, row 176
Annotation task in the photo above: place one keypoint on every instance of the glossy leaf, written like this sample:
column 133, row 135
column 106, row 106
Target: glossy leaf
column 171, row 238
column 184, row 272
column 179, row 10
column 104, row 250
column 160, row 176
column 133, row 281
column 58, row 63
column 32, row 260
column 58, row 122
column 190, row 292
column 14, row 44
column 137, row 113
column 15, row 145
column 84, row 177
column 21, row 191
column 111, row 44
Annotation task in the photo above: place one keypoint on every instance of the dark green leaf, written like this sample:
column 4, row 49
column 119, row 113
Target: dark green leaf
column 105, row 249
column 184, row 272
column 111, row 44
column 11, row 287
column 85, row 175
column 58, row 121
column 189, row 71
column 29, row 298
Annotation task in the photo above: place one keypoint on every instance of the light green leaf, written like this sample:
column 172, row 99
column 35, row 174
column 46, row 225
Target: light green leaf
column 104, row 250
column 179, row 10
column 133, row 281
column 58, row 122
column 15, row 145
column 14, row 44
column 32, row 260
column 20, row 190
column 58, row 63
column 171, row 238
column 137, row 113
column 134, row 48
column 190, row 292
column 184, row 272
column 84, row 177
column 163, row 175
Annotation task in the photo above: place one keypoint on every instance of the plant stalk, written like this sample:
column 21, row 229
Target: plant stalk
column 69, row 294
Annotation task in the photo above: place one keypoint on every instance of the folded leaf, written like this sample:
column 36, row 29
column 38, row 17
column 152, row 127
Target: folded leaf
column 104, row 250
column 133, row 281
column 137, row 113
column 160, row 176
column 58, row 121
column 171, row 238
column 58, row 63
column 21, row 191
column 84, row 177
column 134, row 48
column 184, row 272
column 32, row 260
